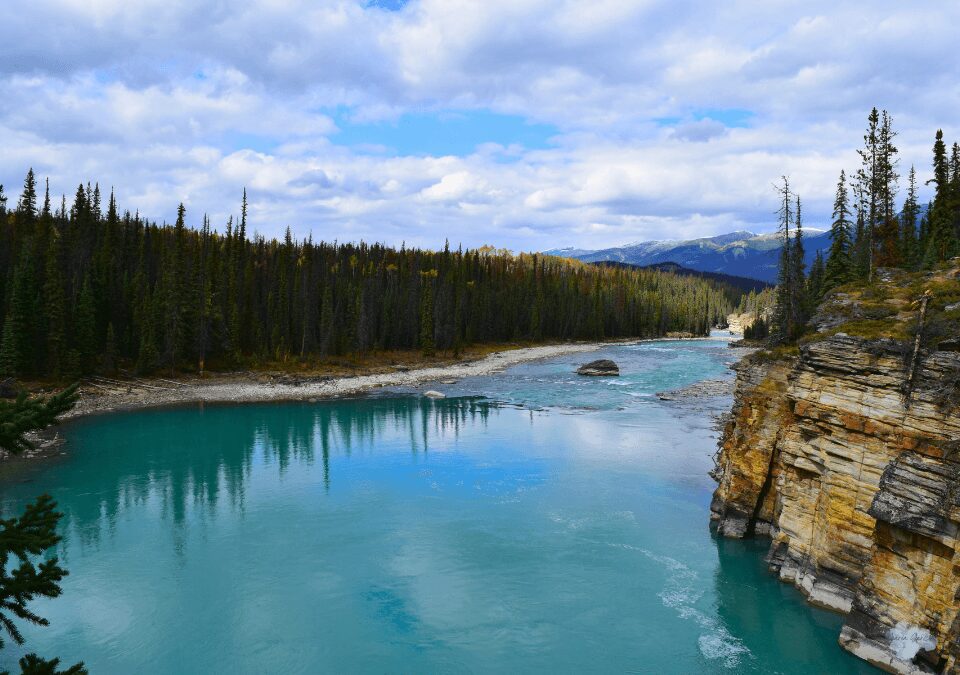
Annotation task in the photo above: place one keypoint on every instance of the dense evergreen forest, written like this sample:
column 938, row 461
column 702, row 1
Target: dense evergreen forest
column 868, row 230
column 84, row 291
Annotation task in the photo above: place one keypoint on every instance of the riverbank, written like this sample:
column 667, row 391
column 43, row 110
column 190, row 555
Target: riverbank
column 110, row 396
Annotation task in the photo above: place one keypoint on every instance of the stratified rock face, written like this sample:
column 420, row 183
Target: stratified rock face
column 600, row 367
column 858, row 488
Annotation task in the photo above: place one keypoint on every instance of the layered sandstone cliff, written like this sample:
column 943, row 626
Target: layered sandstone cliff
column 854, row 473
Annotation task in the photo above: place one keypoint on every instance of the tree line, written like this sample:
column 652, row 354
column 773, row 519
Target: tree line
column 868, row 230
column 85, row 289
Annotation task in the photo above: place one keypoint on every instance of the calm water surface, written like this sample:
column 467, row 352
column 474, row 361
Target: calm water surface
column 533, row 521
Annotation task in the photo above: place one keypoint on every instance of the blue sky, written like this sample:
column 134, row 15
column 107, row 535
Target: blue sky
column 527, row 124
column 451, row 132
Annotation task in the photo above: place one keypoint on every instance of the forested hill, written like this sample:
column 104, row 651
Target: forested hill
column 736, row 286
column 84, row 291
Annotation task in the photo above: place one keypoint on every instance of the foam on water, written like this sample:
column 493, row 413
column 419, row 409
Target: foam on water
column 681, row 593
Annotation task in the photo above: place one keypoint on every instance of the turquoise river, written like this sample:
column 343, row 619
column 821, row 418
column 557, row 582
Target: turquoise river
column 532, row 521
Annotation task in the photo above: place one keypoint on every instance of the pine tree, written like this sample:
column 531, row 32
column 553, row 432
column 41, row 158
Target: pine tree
column 799, row 301
column 426, row 312
column 148, row 355
column 942, row 237
column 953, row 205
column 110, row 350
column 908, row 224
column 9, row 351
column 839, row 268
column 327, row 338
column 888, row 240
column 85, row 326
column 816, row 281
column 27, row 206
column 781, row 327
column 30, row 534
column 24, row 414
column 54, row 304
column 869, row 192
column 18, row 344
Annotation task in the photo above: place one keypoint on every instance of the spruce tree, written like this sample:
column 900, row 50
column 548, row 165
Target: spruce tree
column 942, row 237
column 24, row 537
column 781, row 328
column 799, row 301
column 816, row 286
column 85, row 327
column 888, row 239
column 909, row 245
column 868, row 192
column 426, row 312
column 18, row 342
column 54, row 304
column 839, row 267
column 27, row 206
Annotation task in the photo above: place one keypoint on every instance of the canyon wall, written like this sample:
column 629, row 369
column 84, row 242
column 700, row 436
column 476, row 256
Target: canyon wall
column 855, row 477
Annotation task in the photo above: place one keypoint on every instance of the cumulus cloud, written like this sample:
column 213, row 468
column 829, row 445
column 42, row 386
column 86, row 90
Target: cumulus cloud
column 673, row 118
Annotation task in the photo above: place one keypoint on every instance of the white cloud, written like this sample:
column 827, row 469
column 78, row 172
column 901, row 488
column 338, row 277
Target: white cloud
column 192, row 101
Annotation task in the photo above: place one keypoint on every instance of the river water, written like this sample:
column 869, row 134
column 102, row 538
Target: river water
column 532, row 521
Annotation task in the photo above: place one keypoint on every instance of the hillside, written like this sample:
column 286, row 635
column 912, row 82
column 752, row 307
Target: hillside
column 738, row 285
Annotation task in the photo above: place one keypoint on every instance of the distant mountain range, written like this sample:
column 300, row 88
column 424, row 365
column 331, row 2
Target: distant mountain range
column 740, row 254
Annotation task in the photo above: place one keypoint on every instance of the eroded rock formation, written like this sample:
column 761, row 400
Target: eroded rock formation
column 858, row 487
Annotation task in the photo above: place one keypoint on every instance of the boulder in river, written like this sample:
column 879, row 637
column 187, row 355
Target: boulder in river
column 599, row 368
column 434, row 394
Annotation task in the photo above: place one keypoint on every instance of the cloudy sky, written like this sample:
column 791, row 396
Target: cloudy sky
column 527, row 124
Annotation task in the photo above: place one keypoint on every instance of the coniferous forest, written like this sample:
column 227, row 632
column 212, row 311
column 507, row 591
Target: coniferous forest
column 86, row 288
column 868, row 231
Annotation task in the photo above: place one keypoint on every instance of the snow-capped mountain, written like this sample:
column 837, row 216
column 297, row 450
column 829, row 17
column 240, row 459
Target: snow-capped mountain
column 739, row 253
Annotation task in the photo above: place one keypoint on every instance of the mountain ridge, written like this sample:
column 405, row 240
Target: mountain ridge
column 740, row 253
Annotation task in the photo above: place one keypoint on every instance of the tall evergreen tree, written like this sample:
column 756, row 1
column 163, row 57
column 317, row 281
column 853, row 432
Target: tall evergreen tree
column 799, row 301
column 18, row 345
column 782, row 328
column 54, row 304
column 839, row 267
column 942, row 237
column 888, row 239
column 27, row 206
column 85, row 326
column 869, row 193
column 909, row 245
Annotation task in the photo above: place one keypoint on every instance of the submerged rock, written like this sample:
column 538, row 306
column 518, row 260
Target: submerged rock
column 600, row 367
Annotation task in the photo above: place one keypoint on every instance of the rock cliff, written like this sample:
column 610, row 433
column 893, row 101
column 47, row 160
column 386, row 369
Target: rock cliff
column 852, row 467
